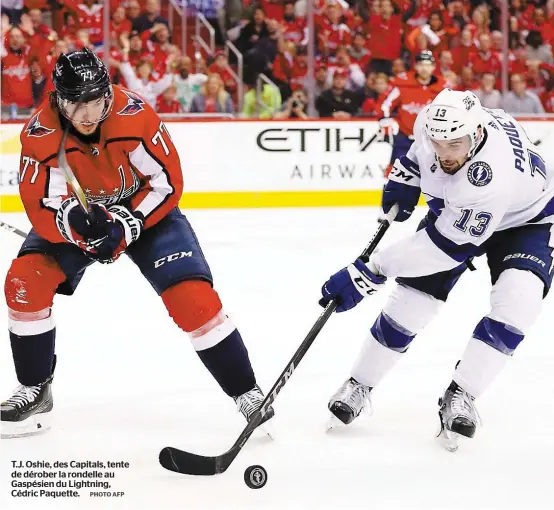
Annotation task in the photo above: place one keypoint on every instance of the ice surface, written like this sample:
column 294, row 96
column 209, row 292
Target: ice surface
column 128, row 383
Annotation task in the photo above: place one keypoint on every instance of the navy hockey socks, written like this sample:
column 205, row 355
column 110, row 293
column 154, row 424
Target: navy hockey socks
column 229, row 363
column 33, row 356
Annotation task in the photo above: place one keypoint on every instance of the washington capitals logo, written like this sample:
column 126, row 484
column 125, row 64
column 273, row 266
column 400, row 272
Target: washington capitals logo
column 35, row 128
column 479, row 173
column 133, row 106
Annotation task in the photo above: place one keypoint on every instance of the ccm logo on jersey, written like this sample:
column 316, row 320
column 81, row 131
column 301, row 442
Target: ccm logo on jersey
column 479, row 173
column 172, row 257
column 532, row 258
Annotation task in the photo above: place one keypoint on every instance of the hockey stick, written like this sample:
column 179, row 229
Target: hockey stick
column 187, row 463
column 13, row 229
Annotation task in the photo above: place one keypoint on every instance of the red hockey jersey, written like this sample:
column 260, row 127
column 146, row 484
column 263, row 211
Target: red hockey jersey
column 408, row 97
column 134, row 162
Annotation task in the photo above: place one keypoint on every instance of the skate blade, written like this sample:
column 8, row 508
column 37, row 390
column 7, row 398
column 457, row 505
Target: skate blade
column 333, row 423
column 30, row 427
column 449, row 440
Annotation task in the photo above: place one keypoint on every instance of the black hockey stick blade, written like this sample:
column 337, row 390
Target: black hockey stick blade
column 187, row 463
column 13, row 229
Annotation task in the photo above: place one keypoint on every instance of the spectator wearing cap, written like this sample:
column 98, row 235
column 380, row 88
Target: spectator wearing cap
column 487, row 93
column 264, row 105
column 187, row 83
column 167, row 102
column 212, row 97
column 338, row 102
column 220, row 66
column 520, row 101
column 150, row 17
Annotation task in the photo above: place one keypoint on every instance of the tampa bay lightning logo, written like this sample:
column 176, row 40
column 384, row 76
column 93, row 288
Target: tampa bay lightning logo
column 36, row 129
column 479, row 173
column 133, row 106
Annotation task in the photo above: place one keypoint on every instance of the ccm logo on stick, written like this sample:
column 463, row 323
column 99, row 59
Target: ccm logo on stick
column 172, row 257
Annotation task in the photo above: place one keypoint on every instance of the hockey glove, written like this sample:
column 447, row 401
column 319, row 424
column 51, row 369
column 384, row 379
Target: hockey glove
column 350, row 285
column 388, row 129
column 402, row 188
column 104, row 234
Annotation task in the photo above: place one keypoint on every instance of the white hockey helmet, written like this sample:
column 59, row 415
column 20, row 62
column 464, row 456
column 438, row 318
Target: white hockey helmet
column 454, row 114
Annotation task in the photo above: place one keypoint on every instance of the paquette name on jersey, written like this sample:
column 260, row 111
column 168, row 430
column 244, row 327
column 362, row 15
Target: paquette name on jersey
column 479, row 173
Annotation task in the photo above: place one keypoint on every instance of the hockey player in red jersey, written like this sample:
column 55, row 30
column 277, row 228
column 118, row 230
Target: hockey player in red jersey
column 124, row 160
column 409, row 94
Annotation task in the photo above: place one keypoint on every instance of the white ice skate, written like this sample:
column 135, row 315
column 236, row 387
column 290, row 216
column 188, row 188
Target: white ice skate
column 458, row 417
column 351, row 399
column 248, row 403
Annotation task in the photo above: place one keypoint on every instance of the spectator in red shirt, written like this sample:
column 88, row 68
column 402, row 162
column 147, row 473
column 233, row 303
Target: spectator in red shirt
column 462, row 52
column 540, row 24
column 331, row 31
column 445, row 69
column 293, row 28
column 40, row 37
column 16, row 75
column 375, row 87
column 273, row 9
column 484, row 60
column 467, row 80
column 120, row 26
column 547, row 99
column 220, row 66
column 359, row 54
column 69, row 30
column 519, row 63
column 385, row 44
column 90, row 15
column 167, row 102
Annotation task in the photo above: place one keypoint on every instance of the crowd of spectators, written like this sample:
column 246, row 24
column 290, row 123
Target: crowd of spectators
column 360, row 46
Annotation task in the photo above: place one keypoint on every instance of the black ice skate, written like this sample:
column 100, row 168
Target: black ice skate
column 458, row 417
column 248, row 403
column 348, row 402
column 27, row 411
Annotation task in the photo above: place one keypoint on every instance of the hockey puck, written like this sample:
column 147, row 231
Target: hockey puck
column 255, row 477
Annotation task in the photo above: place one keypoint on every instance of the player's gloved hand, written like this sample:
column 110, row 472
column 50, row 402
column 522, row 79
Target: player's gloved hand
column 405, row 196
column 388, row 128
column 350, row 285
column 104, row 233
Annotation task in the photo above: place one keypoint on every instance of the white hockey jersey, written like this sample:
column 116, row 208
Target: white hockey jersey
column 506, row 184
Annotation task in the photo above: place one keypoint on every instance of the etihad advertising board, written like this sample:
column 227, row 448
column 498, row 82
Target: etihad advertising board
column 267, row 157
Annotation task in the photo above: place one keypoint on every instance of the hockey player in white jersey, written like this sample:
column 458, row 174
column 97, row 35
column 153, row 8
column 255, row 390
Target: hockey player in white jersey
column 490, row 193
